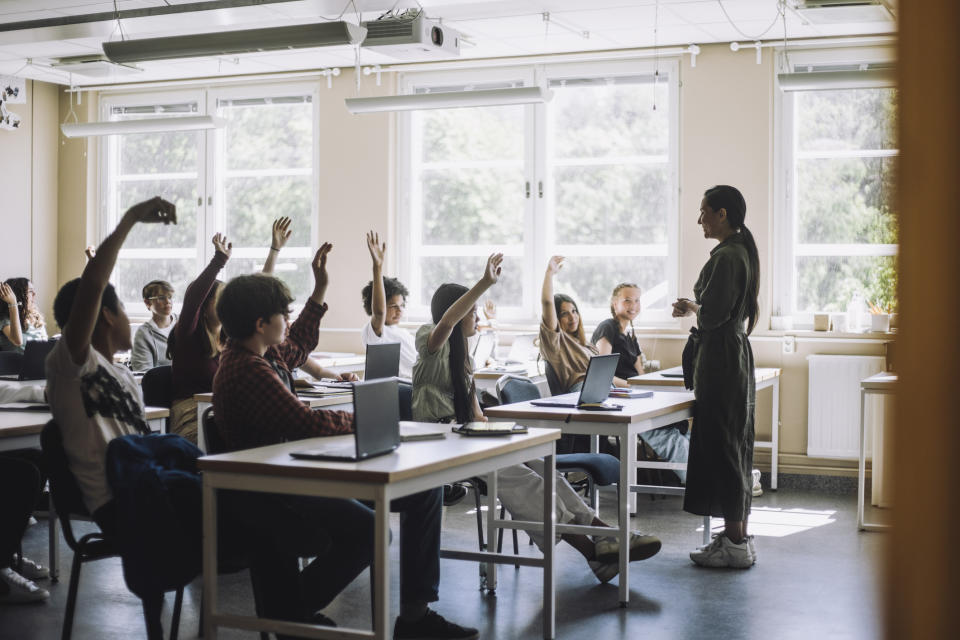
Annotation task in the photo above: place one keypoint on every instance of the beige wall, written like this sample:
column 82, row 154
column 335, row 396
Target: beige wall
column 726, row 129
column 28, row 184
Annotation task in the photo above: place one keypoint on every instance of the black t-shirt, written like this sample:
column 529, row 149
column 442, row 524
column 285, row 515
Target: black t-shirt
column 625, row 345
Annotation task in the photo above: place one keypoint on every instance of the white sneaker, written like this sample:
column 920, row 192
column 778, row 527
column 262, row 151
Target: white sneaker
column 723, row 553
column 31, row 570
column 15, row 588
column 642, row 546
column 753, row 549
column 605, row 572
column 757, row 488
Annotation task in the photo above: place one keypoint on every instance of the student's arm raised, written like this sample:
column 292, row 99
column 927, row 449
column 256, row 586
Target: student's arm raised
column 13, row 331
column 86, row 304
column 378, row 296
column 459, row 309
column 278, row 240
column 197, row 290
column 548, row 310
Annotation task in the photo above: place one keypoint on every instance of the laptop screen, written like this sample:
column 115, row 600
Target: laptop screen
column 376, row 415
column 383, row 361
column 596, row 386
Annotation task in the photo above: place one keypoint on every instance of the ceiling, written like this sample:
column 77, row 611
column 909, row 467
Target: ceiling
column 492, row 28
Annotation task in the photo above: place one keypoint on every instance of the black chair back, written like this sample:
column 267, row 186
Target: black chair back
column 406, row 401
column 512, row 389
column 157, row 386
column 553, row 381
column 211, row 436
column 10, row 362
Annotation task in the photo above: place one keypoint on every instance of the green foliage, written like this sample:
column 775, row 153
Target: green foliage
column 268, row 136
column 471, row 135
column 252, row 204
column 182, row 193
column 470, row 206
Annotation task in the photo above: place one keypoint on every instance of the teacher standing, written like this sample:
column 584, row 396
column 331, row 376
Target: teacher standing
column 720, row 359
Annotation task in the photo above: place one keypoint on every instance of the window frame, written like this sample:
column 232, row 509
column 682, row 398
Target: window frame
column 784, row 183
column 539, row 211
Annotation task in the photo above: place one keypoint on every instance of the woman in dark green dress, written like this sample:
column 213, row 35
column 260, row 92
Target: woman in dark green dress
column 721, row 444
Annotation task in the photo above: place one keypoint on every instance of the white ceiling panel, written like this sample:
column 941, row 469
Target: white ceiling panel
column 601, row 20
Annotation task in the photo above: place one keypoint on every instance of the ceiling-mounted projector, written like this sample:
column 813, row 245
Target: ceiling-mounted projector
column 411, row 38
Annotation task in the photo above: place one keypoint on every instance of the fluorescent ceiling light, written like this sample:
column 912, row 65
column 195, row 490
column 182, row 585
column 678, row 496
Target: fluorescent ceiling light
column 147, row 125
column 301, row 36
column 450, row 100
column 813, row 80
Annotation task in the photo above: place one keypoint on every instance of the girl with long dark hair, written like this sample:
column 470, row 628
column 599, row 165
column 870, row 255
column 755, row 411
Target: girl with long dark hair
column 725, row 302
column 22, row 321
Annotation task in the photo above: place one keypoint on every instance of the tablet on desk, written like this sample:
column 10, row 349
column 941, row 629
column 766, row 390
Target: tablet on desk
column 489, row 429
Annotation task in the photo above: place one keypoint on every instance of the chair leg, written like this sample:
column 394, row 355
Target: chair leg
column 71, row 597
column 152, row 605
column 476, row 500
column 175, row 621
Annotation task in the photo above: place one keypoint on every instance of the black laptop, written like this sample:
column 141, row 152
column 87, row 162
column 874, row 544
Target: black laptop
column 383, row 361
column 376, row 421
column 595, row 389
column 33, row 366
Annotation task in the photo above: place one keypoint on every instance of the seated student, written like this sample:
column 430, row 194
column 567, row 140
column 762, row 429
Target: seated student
column 384, row 300
column 150, row 341
column 444, row 391
column 670, row 443
column 194, row 343
column 20, row 319
column 562, row 341
column 91, row 398
column 255, row 406
column 20, row 483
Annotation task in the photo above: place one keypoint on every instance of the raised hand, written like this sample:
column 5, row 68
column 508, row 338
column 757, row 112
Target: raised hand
column 490, row 309
column 7, row 294
column 491, row 273
column 376, row 248
column 281, row 233
column 90, row 251
column 319, row 266
column 154, row 210
column 555, row 264
column 221, row 245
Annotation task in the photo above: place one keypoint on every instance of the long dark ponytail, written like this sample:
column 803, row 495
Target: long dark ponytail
column 723, row 196
column 461, row 371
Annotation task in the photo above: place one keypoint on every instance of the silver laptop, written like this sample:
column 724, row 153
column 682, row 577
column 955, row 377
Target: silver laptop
column 595, row 389
column 383, row 361
column 376, row 421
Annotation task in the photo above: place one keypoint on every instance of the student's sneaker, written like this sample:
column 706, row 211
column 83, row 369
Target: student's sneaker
column 432, row 625
column 31, row 570
column 642, row 546
column 15, row 588
column 757, row 487
column 753, row 549
column 453, row 493
column 605, row 571
column 723, row 553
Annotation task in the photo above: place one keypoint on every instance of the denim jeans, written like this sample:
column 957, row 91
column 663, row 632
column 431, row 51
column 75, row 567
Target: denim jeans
column 339, row 534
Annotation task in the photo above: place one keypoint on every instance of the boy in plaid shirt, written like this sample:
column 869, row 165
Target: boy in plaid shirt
column 255, row 406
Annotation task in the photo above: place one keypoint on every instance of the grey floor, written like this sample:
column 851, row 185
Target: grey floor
column 816, row 578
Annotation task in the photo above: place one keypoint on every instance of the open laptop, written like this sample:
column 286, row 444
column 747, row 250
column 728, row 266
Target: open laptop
column 383, row 361
column 672, row 372
column 596, row 386
column 483, row 350
column 376, row 421
column 33, row 366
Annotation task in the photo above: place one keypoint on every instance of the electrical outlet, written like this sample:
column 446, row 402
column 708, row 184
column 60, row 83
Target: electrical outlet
column 789, row 344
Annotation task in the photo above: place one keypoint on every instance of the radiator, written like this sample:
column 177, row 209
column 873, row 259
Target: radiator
column 833, row 404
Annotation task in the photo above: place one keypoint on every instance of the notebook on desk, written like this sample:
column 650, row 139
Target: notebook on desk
column 595, row 389
column 376, row 423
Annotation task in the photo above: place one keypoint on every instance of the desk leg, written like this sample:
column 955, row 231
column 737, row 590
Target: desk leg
column 490, row 580
column 628, row 471
column 53, row 526
column 595, row 497
column 209, row 560
column 549, row 535
column 862, row 464
column 628, row 452
column 706, row 529
column 381, row 566
column 775, row 434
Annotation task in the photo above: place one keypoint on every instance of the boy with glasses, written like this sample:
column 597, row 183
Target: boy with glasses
column 150, row 342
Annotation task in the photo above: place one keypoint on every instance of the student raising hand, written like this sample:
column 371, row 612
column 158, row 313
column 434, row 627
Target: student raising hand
column 320, row 277
column 221, row 245
column 492, row 272
column 278, row 240
column 376, row 248
column 153, row 210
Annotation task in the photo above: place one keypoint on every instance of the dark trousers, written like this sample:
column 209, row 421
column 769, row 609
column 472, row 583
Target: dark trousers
column 339, row 533
column 19, row 489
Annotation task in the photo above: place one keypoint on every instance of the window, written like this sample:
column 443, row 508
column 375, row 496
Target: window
column 590, row 175
column 839, row 231
column 235, row 180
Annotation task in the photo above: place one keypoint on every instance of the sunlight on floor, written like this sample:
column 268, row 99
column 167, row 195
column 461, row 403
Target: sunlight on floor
column 777, row 523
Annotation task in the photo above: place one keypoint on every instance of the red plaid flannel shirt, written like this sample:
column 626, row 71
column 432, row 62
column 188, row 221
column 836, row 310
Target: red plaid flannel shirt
column 252, row 404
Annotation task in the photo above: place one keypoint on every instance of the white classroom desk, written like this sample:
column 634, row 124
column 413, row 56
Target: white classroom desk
column 883, row 383
column 486, row 378
column 21, row 430
column 765, row 377
column 205, row 401
column 413, row 467
column 638, row 415
column 340, row 363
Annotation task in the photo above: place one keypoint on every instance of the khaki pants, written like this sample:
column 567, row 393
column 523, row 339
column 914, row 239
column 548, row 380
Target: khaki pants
column 183, row 419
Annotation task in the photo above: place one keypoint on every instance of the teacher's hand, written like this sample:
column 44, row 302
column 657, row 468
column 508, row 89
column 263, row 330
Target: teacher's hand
column 684, row 307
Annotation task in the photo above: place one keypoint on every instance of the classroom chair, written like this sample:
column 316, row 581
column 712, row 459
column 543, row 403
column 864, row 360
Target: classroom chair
column 10, row 362
column 157, row 386
column 68, row 503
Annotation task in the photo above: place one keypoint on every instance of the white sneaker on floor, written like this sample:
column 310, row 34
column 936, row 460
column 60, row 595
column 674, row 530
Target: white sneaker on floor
column 642, row 546
column 31, row 570
column 723, row 553
column 757, row 487
column 753, row 549
column 15, row 588
column 605, row 572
